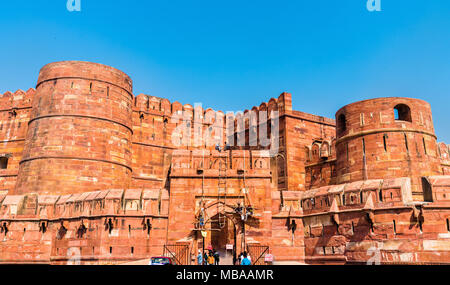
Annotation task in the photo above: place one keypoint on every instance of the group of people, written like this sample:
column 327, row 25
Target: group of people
column 210, row 258
column 244, row 259
column 213, row 258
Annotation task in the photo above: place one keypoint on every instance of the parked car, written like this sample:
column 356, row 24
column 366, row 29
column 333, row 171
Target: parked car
column 161, row 260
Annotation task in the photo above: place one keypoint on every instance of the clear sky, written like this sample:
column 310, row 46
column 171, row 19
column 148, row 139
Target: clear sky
column 232, row 55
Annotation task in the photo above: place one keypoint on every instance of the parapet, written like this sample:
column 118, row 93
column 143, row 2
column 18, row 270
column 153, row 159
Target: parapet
column 369, row 194
column 136, row 202
column 384, row 114
column 85, row 71
column 163, row 107
column 17, row 100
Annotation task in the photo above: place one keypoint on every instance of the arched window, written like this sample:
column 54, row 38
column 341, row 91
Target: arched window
column 402, row 113
column 341, row 123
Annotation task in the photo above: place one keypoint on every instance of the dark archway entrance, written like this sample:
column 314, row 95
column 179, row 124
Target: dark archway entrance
column 221, row 237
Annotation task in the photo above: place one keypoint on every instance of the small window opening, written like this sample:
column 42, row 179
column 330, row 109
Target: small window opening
column 448, row 225
column 353, row 227
column 43, row 227
column 110, row 250
column 394, row 227
column 71, row 85
column 90, row 87
column 361, row 197
column 402, row 113
column 427, row 190
column 132, row 250
column 384, row 142
column 3, row 162
column 380, row 195
column 107, row 92
column 342, row 123
column 364, row 147
column 406, row 143
column 424, row 146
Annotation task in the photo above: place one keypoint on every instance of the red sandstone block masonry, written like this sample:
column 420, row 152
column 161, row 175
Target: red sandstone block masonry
column 87, row 169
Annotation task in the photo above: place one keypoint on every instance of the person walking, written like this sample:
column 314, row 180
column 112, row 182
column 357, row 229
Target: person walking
column 245, row 260
column 241, row 255
column 211, row 258
column 248, row 256
column 216, row 258
column 200, row 257
column 205, row 259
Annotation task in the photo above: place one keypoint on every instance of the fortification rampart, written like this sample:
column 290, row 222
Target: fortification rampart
column 333, row 191
column 15, row 112
column 373, row 221
column 79, row 133
column 386, row 138
column 101, row 227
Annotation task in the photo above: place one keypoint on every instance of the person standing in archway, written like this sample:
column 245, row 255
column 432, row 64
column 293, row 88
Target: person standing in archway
column 216, row 258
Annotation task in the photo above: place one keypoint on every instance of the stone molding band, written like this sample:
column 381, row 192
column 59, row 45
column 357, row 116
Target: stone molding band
column 376, row 131
column 153, row 145
column 75, row 158
column 80, row 116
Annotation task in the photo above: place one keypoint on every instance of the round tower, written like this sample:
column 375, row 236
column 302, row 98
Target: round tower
column 79, row 134
column 386, row 138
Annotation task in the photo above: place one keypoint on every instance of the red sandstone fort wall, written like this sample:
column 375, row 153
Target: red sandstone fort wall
column 325, row 196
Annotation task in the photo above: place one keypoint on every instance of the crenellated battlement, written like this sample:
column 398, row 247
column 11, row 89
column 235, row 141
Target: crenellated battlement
column 163, row 107
column 17, row 100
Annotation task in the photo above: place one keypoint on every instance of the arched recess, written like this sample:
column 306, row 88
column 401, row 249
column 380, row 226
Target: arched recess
column 325, row 150
column 281, row 171
column 402, row 112
column 315, row 149
column 212, row 209
column 341, row 124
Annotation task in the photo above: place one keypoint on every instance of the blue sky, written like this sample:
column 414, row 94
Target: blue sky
column 232, row 55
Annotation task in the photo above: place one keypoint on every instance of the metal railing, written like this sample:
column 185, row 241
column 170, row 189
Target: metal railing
column 179, row 252
column 257, row 253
